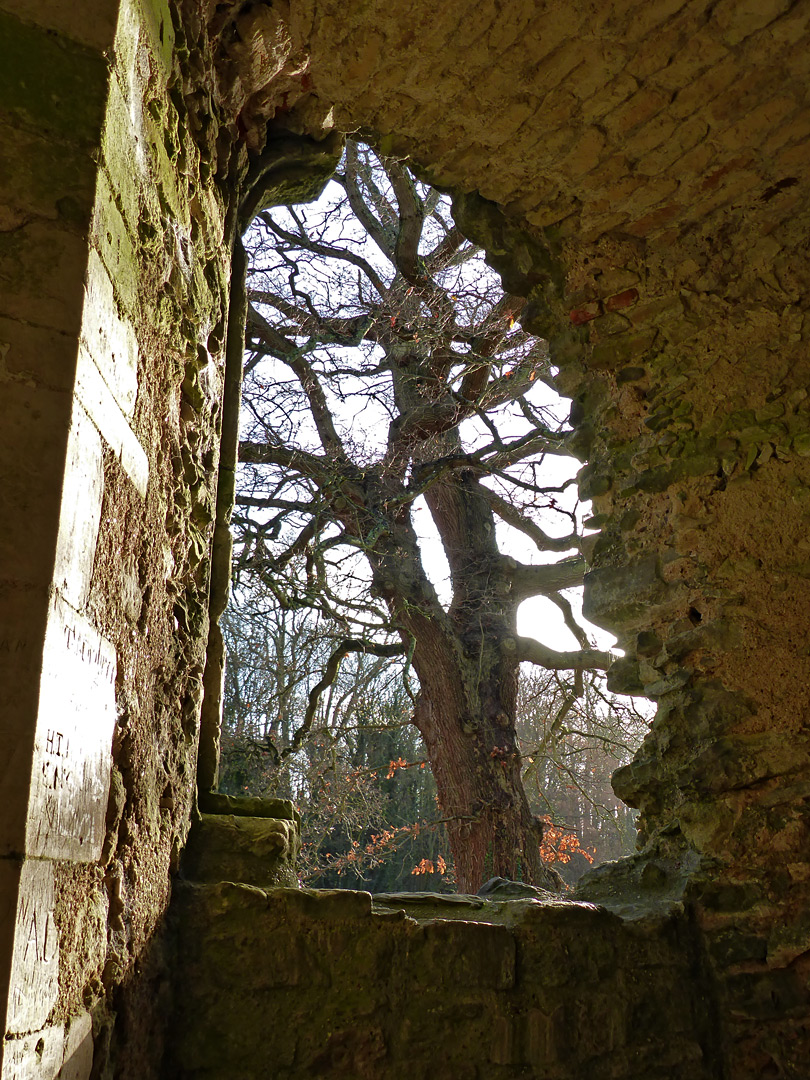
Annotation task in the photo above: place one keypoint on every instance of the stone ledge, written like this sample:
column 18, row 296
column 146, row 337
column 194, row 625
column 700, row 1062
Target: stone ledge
column 258, row 851
column 211, row 802
column 301, row 983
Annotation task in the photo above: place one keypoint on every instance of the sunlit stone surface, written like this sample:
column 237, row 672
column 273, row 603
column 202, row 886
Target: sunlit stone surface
column 109, row 339
column 71, row 773
column 104, row 410
column 81, row 511
column 35, row 963
column 41, row 1055
column 36, row 1056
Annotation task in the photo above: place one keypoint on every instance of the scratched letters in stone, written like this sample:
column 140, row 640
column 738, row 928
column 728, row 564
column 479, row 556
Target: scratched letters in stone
column 75, row 723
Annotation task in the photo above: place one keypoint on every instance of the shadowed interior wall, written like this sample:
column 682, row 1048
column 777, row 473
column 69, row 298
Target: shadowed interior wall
column 638, row 172
column 419, row 985
column 114, row 294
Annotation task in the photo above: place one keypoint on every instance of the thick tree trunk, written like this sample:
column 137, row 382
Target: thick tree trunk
column 466, row 714
column 467, row 711
column 491, row 829
column 468, row 685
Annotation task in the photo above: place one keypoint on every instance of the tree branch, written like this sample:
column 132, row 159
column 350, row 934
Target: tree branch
column 509, row 513
column 297, row 547
column 382, row 233
column 533, row 652
column 313, row 465
column 340, row 331
column 274, row 342
column 348, row 645
column 442, row 254
column 545, row 441
column 569, row 620
column 318, row 406
column 328, row 252
column 411, row 220
column 277, row 504
column 547, row 578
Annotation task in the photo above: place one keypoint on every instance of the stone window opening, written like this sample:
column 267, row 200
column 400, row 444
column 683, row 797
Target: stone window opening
column 563, row 841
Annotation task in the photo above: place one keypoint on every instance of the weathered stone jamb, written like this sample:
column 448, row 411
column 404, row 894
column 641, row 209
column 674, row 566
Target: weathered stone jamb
column 291, row 169
column 53, row 89
column 222, row 545
column 145, row 460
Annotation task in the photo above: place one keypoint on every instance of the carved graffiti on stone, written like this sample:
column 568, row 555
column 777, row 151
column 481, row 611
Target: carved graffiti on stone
column 36, row 1056
column 76, row 719
column 12, row 645
column 51, row 1052
column 35, row 961
column 18, row 658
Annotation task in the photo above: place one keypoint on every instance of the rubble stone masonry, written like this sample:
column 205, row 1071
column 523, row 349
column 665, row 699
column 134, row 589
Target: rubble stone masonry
column 637, row 170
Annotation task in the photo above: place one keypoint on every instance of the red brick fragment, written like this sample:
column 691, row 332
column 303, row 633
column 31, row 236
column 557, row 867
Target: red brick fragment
column 585, row 314
column 621, row 300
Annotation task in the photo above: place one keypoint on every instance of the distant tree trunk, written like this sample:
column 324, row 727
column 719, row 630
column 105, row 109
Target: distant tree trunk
column 468, row 718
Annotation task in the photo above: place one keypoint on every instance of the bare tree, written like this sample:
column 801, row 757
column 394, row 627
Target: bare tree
column 571, row 746
column 357, row 773
column 384, row 367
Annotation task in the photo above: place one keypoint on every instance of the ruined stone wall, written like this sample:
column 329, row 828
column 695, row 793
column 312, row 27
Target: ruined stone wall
column 305, row 983
column 114, row 269
column 638, row 172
